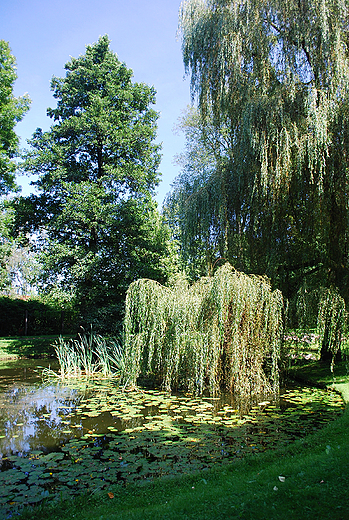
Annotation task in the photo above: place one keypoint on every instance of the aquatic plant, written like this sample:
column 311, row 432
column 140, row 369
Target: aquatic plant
column 88, row 356
column 223, row 332
column 138, row 436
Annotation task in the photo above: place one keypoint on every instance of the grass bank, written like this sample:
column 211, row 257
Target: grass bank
column 27, row 346
column 308, row 479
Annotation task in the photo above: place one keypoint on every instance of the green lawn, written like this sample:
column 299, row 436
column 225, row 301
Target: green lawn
column 27, row 346
column 307, row 480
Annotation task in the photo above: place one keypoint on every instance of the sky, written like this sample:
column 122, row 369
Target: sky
column 44, row 35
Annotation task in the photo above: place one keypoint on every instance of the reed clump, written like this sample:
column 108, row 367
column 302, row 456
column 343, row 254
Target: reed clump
column 223, row 332
column 90, row 355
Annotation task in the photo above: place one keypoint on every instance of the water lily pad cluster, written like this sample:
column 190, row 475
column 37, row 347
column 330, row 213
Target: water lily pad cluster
column 112, row 437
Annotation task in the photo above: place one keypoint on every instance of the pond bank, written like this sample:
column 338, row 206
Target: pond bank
column 309, row 478
column 317, row 374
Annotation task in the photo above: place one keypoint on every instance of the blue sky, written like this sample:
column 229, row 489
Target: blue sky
column 43, row 35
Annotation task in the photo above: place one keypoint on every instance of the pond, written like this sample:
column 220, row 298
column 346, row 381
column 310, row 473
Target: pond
column 58, row 440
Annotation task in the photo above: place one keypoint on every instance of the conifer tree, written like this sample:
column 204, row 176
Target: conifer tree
column 97, row 170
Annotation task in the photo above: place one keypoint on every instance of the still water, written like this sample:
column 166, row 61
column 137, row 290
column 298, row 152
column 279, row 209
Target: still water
column 39, row 414
column 30, row 411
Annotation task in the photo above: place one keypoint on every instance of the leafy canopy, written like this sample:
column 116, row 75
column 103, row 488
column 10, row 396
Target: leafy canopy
column 103, row 130
column 271, row 80
column 97, row 168
column 277, row 72
column 12, row 110
column 223, row 332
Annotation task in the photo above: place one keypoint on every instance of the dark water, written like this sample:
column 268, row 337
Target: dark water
column 39, row 414
column 31, row 411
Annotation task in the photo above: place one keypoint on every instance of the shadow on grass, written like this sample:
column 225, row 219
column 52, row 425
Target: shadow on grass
column 27, row 346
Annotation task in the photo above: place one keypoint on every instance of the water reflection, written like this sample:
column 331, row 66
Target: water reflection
column 30, row 412
column 38, row 416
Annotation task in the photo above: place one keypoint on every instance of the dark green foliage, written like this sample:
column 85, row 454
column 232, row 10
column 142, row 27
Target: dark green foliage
column 6, row 244
column 19, row 317
column 97, row 168
column 12, row 111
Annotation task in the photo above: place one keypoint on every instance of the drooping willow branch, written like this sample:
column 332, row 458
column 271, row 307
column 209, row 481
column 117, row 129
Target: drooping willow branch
column 223, row 332
column 325, row 309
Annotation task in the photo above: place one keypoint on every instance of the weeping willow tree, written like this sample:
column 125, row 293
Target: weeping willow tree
column 276, row 74
column 271, row 78
column 324, row 309
column 194, row 207
column 223, row 332
column 331, row 324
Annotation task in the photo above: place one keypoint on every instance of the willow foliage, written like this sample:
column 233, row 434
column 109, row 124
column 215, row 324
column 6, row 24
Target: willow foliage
column 196, row 208
column 272, row 82
column 277, row 71
column 331, row 322
column 222, row 332
column 324, row 308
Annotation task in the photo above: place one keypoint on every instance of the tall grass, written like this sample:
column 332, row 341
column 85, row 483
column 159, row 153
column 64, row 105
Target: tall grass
column 89, row 355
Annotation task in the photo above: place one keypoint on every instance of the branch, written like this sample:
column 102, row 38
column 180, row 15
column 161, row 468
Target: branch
column 296, row 267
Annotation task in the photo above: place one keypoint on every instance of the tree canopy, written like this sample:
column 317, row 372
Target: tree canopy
column 271, row 82
column 97, row 170
column 271, row 79
column 12, row 110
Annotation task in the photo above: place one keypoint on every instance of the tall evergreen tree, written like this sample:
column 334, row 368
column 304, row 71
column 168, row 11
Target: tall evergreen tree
column 97, row 168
